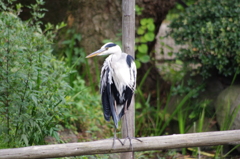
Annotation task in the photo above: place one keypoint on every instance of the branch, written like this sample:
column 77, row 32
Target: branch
column 105, row 146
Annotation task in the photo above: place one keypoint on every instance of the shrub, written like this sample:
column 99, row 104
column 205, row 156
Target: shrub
column 211, row 31
column 31, row 84
column 85, row 114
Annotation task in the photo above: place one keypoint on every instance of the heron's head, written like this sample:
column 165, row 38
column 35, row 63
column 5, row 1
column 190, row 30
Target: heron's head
column 106, row 49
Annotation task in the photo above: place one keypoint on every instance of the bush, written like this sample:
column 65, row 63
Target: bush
column 31, row 84
column 85, row 114
column 211, row 31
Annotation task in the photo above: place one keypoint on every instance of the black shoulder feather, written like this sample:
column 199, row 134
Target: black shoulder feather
column 129, row 60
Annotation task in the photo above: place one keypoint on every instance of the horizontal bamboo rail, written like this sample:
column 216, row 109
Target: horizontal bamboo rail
column 105, row 146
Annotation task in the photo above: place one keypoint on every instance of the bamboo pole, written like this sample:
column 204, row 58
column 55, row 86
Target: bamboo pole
column 128, row 43
column 105, row 146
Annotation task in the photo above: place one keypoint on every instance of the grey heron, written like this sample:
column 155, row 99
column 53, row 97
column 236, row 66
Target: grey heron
column 118, row 83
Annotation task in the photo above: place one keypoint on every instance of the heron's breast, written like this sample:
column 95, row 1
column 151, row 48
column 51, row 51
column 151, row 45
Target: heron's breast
column 122, row 75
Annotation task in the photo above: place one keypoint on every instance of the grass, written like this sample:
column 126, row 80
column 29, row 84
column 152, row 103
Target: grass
column 227, row 124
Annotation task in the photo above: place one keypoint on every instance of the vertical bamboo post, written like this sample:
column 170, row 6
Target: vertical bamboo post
column 128, row 43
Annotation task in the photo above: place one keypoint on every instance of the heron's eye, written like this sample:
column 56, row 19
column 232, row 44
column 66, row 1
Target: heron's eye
column 106, row 48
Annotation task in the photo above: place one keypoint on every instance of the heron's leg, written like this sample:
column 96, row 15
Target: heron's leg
column 128, row 138
column 114, row 138
column 115, row 134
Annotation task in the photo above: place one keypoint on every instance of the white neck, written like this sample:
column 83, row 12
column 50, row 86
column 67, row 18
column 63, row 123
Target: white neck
column 117, row 55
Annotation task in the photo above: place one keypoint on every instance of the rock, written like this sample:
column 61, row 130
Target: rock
column 227, row 104
column 228, row 101
column 212, row 90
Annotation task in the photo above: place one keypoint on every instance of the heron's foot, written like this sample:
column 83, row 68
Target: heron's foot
column 130, row 140
column 115, row 138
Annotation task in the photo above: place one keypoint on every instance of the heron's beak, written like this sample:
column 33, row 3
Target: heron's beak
column 96, row 53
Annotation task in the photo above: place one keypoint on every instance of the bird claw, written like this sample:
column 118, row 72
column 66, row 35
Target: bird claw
column 130, row 140
column 113, row 145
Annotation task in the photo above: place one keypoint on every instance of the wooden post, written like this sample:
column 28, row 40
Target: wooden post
column 128, row 43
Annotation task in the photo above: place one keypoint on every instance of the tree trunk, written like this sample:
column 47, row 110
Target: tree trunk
column 99, row 20
column 96, row 21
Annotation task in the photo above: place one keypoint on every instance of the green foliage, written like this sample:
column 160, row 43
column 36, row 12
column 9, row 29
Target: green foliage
column 7, row 5
column 84, row 109
column 31, row 83
column 74, row 56
column 179, row 8
column 37, row 12
column 211, row 31
column 69, row 51
column 145, row 34
column 227, row 124
column 138, row 10
column 171, row 70
column 154, row 120
column 182, row 89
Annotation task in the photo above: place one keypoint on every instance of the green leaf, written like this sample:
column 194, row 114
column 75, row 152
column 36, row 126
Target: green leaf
column 150, row 36
column 144, row 58
column 170, row 53
column 138, row 64
column 143, row 48
column 150, row 20
column 144, row 21
column 138, row 105
column 143, row 40
column 34, row 99
column 179, row 62
column 169, row 47
column 140, row 31
column 151, row 27
column 24, row 138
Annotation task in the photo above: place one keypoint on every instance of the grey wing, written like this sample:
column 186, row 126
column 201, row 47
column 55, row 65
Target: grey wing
column 133, row 72
column 129, row 92
column 105, row 89
column 107, row 94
